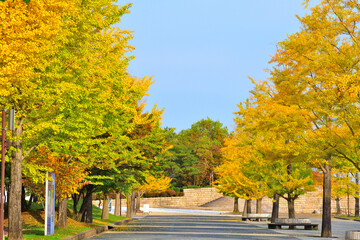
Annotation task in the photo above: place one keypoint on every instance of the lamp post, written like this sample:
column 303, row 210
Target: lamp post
column 3, row 132
column 2, row 175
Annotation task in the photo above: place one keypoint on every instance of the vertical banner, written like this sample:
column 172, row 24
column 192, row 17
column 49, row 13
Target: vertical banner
column 110, row 204
column 50, row 204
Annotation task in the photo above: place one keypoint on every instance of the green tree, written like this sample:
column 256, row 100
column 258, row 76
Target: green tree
column 90, row 95
column 196, row 152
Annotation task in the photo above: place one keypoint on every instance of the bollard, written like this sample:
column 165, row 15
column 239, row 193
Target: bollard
column 352, row 235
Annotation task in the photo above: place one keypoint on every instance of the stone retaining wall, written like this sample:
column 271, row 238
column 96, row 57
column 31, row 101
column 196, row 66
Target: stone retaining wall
column 193, row 197
column 308, row 203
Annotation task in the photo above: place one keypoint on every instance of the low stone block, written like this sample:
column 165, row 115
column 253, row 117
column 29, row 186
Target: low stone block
column 292, row 220
column 352, row 235
column 258, row 215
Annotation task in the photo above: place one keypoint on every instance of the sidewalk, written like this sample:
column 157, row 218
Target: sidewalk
column 339, row 227
column 167, row 211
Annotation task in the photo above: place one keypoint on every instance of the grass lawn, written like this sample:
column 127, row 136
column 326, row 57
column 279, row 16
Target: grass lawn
column 33, row 223
column 350, row 217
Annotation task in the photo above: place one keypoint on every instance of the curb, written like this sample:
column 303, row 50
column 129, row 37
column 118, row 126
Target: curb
column 342, row 218
column 98, row 230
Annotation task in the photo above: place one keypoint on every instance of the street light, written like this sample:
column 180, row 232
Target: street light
column 11, row 119
column 3, row 132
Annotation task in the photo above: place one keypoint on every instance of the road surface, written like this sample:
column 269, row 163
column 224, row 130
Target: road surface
column 191, row 227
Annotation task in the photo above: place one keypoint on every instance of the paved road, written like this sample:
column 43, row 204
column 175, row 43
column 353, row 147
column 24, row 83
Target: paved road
column 191, row 227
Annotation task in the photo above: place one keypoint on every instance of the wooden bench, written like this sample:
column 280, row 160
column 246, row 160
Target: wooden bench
column 257, row 217
column 292, row 223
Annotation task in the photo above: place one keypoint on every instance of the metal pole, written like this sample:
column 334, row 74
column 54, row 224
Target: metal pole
column 2, row 176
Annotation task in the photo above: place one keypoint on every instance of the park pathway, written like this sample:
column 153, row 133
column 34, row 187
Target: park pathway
column 191, row 227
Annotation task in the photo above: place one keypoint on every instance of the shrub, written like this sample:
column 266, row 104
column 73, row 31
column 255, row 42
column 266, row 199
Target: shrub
column 171, row 193
column 163, row 194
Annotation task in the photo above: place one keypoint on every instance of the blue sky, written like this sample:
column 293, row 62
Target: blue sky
column 201, row 52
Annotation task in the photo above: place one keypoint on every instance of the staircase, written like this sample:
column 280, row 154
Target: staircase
column 220, row 204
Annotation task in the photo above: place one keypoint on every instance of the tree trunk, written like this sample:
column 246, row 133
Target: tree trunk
column 137, row 207
column 348, row 203
column 326, row 216
column 236, row 205
column 84, row 206
column 105, row 209
column 62, row 219
column 290, row 200
column 245, row 208
column 248, row 206
column 15, row 221
column 128, row 205
column 75, row 198
column 133, row 196
column 275, row 208
column 30, row 201
column 117, row 204
column 120, row 203
column 89, row 218
column 291, row 207
column 338, row 207
column 23, row 200
column 357, row 208
column 258, row 205
column 7, row 199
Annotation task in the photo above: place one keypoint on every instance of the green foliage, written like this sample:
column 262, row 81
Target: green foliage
column 75, row 97
column 266, row 153
column 195, row 153
column 27, row 1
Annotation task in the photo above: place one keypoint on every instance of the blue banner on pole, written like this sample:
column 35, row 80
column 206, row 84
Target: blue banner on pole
column 110, row 204
column 50, row 204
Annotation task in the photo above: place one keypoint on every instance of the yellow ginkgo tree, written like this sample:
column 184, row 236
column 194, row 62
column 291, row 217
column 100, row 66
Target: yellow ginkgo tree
column 275, row 134
column 152, row 185
column 235, row 177
column 28, row 39
column 317, row 70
